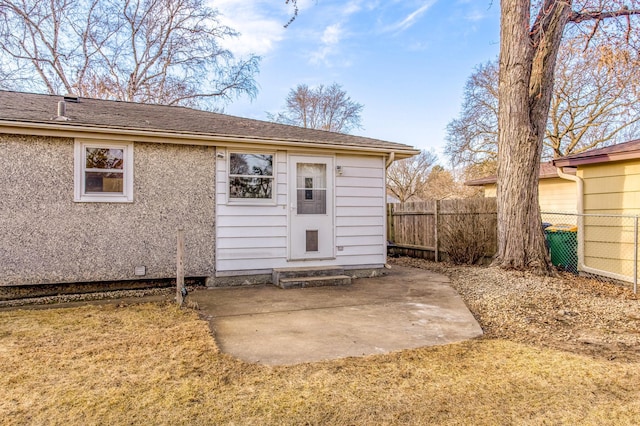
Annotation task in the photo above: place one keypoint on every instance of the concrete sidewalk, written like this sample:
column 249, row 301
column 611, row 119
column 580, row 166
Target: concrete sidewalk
column 408, row 308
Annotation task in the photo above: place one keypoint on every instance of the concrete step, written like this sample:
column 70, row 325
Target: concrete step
column 317, row 271
column 302, row 282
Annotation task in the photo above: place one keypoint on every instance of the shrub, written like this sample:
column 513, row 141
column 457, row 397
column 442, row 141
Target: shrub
column 468, row 235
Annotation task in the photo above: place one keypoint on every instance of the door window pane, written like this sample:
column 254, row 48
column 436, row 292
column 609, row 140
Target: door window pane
column 311, row 182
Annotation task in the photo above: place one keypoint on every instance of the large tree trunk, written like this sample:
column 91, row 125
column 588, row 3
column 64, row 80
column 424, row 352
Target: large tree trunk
column 527, row 61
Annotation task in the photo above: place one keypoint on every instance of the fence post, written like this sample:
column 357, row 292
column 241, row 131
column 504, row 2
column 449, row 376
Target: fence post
column 180, row 268
column 390, row 225
column 436, row 220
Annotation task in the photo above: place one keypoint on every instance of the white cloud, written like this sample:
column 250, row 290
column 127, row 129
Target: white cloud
column 411, row 18
column 335, row 33
column 353, row 7
column 260, row 26
column 332, row 34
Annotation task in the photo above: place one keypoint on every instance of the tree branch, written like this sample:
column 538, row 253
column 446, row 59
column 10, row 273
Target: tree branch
column 577, row 17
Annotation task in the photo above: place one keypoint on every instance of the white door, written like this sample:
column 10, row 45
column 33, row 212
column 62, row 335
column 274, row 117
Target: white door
column 311, row 207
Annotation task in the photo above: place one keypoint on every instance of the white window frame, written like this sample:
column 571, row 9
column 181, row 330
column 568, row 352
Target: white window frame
column 80, row 149
column 250, row 201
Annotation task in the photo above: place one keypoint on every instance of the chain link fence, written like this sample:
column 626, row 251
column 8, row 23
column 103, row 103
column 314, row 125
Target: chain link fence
column 601, row 246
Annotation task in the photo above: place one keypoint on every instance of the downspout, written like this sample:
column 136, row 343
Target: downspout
column 580, row 210
column 392, row 157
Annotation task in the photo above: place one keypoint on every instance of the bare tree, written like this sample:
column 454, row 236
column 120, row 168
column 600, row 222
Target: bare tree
column 407, row 178
column 150, row 51
column 530, row 41
column 594, row 103
column 325, row 108
column 472, row 138
column 444, row 184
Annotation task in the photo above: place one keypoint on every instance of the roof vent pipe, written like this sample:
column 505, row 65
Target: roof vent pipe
column 62, row 109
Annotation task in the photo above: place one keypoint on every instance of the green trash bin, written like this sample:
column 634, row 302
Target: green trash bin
column 563, row 246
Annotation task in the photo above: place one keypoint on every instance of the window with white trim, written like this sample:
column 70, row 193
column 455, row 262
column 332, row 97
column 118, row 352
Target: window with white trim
column 251, row 176
column 103, row 171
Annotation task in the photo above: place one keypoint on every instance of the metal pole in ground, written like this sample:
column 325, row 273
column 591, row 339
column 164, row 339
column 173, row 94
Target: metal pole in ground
column 436, row 225
column 635, row 255
column 180, row 268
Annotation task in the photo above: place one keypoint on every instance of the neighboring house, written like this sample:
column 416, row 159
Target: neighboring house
column 95, row 190
column 555, row 194
column 608, row 188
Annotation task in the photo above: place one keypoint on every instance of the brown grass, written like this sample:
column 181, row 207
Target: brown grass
column 155, row 364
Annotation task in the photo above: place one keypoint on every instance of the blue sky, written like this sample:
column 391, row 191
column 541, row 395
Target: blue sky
column 405, row 61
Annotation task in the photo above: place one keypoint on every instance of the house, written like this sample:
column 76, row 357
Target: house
column 554, row 193
column 95, row 191
column 608, row 198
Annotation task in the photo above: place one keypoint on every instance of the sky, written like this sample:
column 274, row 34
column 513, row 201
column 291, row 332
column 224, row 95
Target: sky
column 405, row 61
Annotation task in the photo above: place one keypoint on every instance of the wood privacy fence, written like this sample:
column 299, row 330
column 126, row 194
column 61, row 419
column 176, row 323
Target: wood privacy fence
column 442, row 228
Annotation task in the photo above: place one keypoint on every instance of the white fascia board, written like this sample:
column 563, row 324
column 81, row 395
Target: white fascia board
column 47, row 129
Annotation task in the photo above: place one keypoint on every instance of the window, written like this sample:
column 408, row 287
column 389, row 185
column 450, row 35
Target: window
column 103, row 171
column 311, row 181
column 250, row 176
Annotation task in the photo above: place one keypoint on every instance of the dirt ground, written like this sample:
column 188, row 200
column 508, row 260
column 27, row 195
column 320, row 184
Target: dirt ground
column 569, row 313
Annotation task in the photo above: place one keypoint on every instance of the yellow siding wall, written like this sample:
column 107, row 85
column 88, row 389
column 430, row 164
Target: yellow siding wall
column 610, row 188
column 556, row 195
column 490, row 190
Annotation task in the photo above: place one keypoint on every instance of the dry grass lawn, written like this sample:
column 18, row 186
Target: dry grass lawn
column 155, row 364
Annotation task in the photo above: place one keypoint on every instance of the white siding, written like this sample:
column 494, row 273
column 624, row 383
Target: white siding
column 360, row 210
column 254, row 238
column 250, row 236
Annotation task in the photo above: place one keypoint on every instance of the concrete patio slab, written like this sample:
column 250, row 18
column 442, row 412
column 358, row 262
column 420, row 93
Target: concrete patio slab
column 408, row 308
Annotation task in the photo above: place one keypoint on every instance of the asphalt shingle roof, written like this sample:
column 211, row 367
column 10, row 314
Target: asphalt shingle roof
column 547, row 171
column 18, row 107
column 622, row 151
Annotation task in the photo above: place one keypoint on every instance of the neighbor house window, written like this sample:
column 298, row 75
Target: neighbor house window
column 250, row 176
column 103, row 171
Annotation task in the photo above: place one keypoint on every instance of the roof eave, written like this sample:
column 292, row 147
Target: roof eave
column 595, row 159
column 67, row 130
column 480, row 182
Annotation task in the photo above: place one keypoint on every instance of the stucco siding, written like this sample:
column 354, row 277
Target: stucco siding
column 48, row 238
